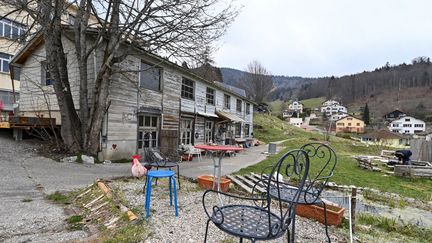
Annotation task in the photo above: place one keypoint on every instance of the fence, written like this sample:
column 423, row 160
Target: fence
column 421, row 149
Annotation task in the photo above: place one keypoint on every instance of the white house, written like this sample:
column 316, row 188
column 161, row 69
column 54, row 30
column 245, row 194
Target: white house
column 407, row 125
column 330, row 102
column 333, row 109
column 296, row 121
column 296, row 106
column 338, row 116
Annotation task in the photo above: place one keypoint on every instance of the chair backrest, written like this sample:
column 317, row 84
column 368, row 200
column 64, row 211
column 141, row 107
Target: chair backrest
column 323, row 162
column 294, row 166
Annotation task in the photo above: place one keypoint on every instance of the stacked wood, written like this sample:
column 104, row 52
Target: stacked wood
column 366, row 163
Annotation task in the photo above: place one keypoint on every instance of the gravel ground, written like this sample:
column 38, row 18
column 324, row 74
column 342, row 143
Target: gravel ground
column 26, row 178
column 190, row 225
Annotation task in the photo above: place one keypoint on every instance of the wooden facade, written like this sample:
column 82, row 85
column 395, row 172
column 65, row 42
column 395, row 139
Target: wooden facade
column 164, row 115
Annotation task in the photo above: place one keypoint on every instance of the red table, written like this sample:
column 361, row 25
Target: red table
column 221, row 150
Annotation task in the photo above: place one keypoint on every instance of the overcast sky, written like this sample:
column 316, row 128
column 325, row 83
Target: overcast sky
column 312, row 38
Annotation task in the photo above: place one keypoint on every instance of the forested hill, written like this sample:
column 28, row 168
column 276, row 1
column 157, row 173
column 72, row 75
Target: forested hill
column 286, row 87
column 405, row 86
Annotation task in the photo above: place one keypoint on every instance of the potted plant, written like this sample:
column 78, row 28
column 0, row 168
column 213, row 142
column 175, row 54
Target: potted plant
column 206, row 182
column 334, row 213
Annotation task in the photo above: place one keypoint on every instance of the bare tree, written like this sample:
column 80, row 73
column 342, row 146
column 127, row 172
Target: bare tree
column 180, row 30
column 257, row 81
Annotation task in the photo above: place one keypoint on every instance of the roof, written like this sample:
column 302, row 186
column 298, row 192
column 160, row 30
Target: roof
column 229, row 116
column 382, row 134
column 349, row 117
column 38, row 40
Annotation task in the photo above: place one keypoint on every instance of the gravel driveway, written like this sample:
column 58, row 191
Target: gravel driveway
column 190, row 225
column 26, row 178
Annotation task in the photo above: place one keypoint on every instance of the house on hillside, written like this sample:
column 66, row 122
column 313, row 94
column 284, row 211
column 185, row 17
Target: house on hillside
column 162, row 106
column 330, row 102
column 333, row 109
column 396, row 114
column 298, row 122
column 350, row 124
column 338, row 116
column 296, row 106
column 385, row 138
column 407, row 125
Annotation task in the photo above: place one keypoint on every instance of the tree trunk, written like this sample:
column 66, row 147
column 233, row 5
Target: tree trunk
column 57, row 66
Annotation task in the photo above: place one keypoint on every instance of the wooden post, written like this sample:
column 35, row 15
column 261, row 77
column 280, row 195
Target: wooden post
column 353, row 207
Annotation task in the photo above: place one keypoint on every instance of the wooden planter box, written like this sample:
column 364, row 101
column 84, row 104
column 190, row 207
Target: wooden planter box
column 334, row 213
column 206, row 182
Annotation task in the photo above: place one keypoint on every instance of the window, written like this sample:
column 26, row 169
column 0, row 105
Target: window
column 187, row 90
column 148, row 131
column 407, row 119
column 72, row 19
column 239, row 105
column 358, row 124
column 11, row 29
column 150, row 77
column 227, row 101
column 4, row 62
column 407, row 125
column 247, row 130
column 247, row 108
column 418, row 125
column 208, row 133
column 349, row 124
column 341, row 124
column 237, row 128
column 45, row 75
column 210, row 96
column 186, row 131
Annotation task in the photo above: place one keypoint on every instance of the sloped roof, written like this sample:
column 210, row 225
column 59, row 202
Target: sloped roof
column 382, row 134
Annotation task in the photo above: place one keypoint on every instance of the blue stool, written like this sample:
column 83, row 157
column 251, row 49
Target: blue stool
column 161, row 174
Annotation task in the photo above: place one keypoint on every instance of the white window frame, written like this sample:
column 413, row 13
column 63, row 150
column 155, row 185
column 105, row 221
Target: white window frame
column 210, row 96
column 188, row 89
column 208, row 132
column 152, row 129
column 186, row 131
column 5, row 62
column 227, row 101
column 12, row 25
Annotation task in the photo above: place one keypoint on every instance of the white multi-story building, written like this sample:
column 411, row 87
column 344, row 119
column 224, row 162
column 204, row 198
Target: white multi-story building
column 296, row 121
column 333, row 109
column 330, row 102
column 407, row 125
column 296, row 106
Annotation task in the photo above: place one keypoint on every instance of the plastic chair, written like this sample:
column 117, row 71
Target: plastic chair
column 172, row 184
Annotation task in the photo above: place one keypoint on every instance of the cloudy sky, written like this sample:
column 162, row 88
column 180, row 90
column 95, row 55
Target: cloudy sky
column 312, row 38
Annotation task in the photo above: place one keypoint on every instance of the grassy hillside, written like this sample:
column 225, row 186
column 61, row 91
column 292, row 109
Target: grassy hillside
column 270, row 128
column 313, row 103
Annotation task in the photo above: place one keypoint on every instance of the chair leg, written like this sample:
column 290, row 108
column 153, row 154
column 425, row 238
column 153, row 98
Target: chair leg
column 241, row 240
column 288, row 235
column 148, row 197
column 178, row 175
column 292, row 234
column 170, row 189
column 325, row 223
column 205, row 236
column 145, row 184
column 175, row 196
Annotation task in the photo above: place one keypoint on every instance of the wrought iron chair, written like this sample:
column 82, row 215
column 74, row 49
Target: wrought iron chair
column 154, row 158
column 323, row 163
column 259, row 217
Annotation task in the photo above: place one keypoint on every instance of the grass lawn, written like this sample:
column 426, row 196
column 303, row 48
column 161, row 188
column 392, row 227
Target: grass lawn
column 347, row 172
column 313, row 103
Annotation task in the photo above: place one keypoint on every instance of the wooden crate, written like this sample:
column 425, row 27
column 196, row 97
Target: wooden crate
column 413, row 171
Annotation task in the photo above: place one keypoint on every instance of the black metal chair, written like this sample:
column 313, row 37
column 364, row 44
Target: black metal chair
column 153, row 158
column 322, row 163
column 259, row 217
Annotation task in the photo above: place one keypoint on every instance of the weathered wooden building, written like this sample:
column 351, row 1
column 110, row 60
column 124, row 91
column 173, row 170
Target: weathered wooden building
column 155, row 103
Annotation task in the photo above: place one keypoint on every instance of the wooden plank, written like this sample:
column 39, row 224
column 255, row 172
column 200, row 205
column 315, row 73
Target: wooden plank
column 250, row 183
column 239, row 183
